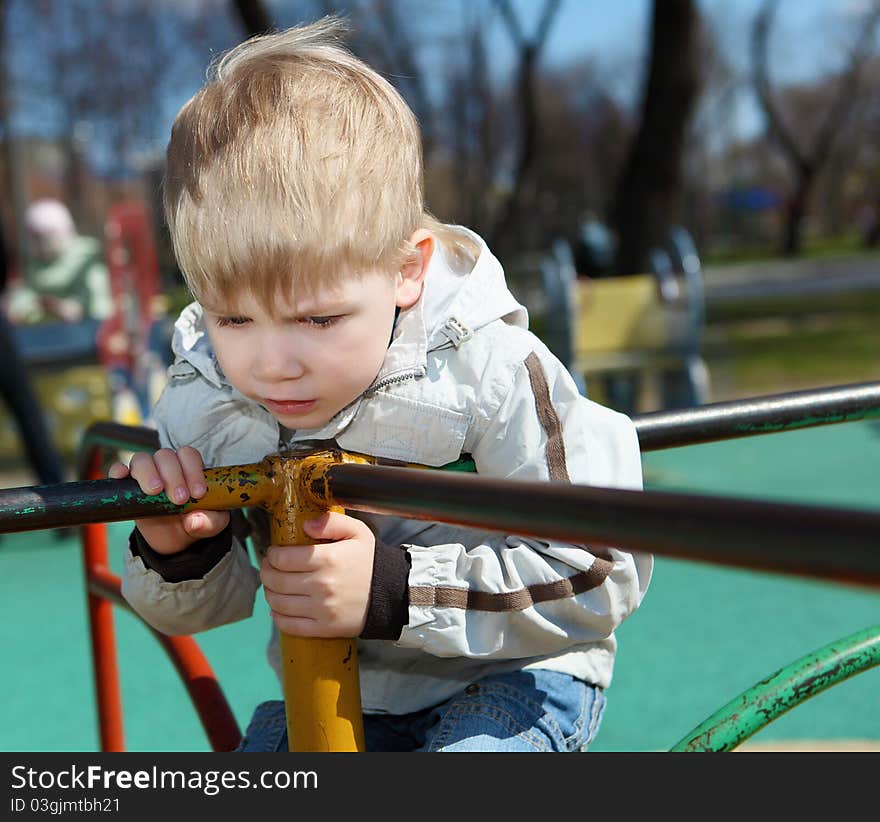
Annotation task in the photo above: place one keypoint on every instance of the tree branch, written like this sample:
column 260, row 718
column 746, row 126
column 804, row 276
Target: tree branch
column 761, row 79
column 847, row 94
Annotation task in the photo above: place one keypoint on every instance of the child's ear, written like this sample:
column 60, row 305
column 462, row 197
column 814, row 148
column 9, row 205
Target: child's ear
column 412, row 272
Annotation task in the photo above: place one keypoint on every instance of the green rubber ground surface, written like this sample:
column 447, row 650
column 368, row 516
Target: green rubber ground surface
column 703, row 634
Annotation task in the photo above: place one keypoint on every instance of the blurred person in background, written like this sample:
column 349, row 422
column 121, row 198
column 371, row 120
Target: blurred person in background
column 67, row 279
column 21, row 399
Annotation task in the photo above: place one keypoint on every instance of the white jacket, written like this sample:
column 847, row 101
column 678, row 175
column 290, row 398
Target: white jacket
column 462, row 375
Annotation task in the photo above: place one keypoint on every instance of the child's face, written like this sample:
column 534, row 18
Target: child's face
column 316, row 355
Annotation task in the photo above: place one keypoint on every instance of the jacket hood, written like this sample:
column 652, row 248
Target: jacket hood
column 475, row 297
column 454, row 304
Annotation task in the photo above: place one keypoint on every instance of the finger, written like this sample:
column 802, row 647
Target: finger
column 204, row 524
column 193, row 471
column 290, row 605
column 118, row 470
column 334, row 527
column 143, row 469
column 294, row 558
column 171, row 472
column 285, row 582
column 296, row 626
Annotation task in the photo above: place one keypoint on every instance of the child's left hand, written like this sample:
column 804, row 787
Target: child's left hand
column 322, row 590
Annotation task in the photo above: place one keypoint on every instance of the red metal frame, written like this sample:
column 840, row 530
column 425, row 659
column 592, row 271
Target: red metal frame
column 104, row 590
column 134, row 285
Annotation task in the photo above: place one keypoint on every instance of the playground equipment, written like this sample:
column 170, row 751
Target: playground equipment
column 100, row 369
column 617, row 334
column 766, row 536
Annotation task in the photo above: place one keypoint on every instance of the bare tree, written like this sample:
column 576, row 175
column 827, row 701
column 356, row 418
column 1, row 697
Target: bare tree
column 584, row 137
column 713, row 124
column 648, row 197
column 461, row 180
column 807, row 161
column 529, row 51
column 383, row 37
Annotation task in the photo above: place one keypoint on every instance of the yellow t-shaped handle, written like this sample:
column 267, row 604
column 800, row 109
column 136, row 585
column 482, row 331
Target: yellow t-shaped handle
column 320, row 676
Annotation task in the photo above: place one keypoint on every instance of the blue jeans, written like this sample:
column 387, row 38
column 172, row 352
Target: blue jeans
column 517, row 711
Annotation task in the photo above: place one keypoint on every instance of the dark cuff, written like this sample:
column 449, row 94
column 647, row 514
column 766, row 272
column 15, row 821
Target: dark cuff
column 191, row 563
column 389, row 594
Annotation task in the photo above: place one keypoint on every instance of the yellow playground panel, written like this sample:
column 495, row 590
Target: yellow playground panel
column 71, row 399
column 621, row 334
column 623, row 324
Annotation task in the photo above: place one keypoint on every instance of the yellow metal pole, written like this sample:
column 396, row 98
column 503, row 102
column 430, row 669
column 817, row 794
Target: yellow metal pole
column 320, row 676
column 236, row 486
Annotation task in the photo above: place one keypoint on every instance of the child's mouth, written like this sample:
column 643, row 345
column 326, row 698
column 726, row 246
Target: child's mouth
column 289, row 408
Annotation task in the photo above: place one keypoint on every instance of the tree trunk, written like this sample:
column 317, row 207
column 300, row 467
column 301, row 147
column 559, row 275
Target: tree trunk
column 507, row 233
column 808, row 161
column 795, row 211
column 648, row 198
column 254, row 16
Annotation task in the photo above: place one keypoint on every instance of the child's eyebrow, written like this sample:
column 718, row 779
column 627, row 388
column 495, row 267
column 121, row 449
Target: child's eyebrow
column 318, row 308
column 225, row 311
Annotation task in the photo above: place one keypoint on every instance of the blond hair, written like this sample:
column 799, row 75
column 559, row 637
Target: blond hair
column 294, row 165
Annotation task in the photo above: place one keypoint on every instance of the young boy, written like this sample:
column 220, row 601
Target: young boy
column 330, row 305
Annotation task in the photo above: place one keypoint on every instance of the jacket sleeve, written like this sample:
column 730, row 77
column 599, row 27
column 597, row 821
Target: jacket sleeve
column 508, row 596
column 224, row 594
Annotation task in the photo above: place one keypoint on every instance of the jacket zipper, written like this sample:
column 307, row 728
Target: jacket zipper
column 408, row 375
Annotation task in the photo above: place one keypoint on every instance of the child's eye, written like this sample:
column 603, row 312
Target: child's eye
column 232, row 321
column 322, row 322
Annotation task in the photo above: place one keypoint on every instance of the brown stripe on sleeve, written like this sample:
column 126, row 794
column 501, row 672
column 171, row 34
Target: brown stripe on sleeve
column 445, row 596
column 548, row 418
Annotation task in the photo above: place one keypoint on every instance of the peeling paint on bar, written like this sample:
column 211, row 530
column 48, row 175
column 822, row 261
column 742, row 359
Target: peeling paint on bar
column 766, row 701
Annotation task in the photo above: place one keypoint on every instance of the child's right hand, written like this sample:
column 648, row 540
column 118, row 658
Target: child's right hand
column 181, row 474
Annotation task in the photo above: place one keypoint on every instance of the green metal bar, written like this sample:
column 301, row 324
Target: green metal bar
column 758, row 415
column 115, row 500
column 78, row 503
column 758, row 706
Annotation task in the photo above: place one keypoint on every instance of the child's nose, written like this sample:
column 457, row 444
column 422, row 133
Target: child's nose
column 274, row 362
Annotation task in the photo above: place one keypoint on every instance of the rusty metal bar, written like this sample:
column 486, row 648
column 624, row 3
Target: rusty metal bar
column 111, row 500
column 824, row 542
column 77, row 503
column 758, row 415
